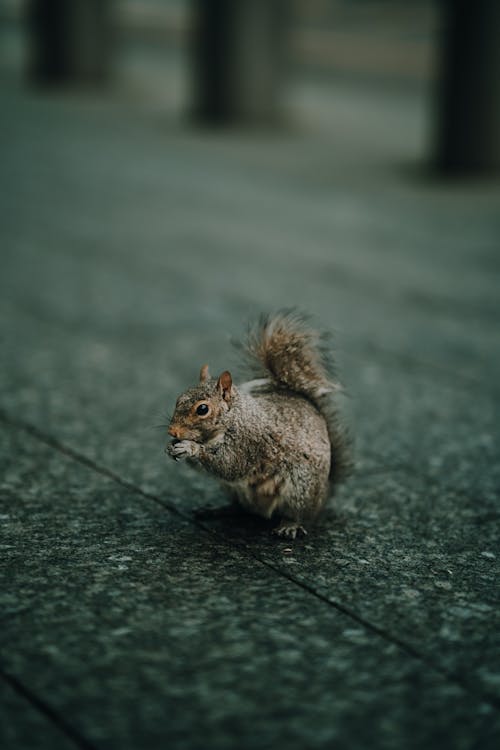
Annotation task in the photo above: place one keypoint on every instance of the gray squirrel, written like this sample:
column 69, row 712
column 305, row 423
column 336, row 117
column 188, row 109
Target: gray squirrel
column 275, row 442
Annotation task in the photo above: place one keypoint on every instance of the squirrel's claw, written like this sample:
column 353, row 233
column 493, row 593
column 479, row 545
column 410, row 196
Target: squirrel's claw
column 290, row 530
column 181, row 449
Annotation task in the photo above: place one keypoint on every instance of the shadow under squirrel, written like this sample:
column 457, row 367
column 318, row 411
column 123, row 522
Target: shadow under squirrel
column 275, row 442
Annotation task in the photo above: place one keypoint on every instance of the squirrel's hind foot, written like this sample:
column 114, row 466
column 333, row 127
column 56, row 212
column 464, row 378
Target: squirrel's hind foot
column 289, row 529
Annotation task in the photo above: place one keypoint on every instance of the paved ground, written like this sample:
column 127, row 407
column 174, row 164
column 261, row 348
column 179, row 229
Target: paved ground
column 131, row 251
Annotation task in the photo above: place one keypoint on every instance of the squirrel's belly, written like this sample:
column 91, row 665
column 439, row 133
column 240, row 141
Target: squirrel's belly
column 290, row 475
column 262, row 501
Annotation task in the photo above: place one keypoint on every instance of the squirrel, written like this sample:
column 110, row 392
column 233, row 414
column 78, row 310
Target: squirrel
column 275, row 442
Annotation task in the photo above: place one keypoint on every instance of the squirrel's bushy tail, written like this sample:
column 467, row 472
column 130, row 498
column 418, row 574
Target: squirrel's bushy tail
column 292, row 353
column 297, row 357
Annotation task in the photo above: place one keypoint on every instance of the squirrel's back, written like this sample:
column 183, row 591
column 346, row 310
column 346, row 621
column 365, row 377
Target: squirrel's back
column 296, row 357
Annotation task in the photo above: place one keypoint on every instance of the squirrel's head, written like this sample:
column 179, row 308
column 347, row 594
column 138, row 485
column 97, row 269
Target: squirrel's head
column 199, row 411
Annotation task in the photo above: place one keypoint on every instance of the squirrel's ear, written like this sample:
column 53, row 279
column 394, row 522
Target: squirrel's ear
column 224, row 385
column 204, row 374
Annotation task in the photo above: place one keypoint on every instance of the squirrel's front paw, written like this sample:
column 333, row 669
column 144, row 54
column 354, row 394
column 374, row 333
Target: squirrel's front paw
column 181, row 449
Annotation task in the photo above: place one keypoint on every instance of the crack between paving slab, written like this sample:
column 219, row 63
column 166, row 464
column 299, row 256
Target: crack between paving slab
column 407, row 648
column 52, row 716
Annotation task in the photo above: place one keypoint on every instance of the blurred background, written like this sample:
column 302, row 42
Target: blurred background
column 257, row 63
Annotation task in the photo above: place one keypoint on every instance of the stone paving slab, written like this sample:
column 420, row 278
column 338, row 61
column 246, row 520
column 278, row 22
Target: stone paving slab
column 137, row 626
column 399, row 417
column 415, row 561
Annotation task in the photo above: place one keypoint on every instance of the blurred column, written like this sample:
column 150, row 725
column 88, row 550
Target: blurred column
column 69, row 41
column 238, row 60
column 468, row 127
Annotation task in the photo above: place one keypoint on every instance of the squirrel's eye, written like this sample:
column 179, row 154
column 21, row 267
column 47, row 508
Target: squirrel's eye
column 202, row 410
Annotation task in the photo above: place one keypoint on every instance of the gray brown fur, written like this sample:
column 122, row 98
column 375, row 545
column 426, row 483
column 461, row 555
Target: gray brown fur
column 275, row 442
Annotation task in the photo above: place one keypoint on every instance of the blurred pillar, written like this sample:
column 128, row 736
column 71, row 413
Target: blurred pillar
column 238, row 60
column 69, row 41
column 468, row 127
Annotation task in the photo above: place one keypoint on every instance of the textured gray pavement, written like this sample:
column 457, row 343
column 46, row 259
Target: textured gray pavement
column 131, row 252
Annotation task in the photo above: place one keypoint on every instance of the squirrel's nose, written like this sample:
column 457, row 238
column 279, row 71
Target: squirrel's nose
column 174, row 431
